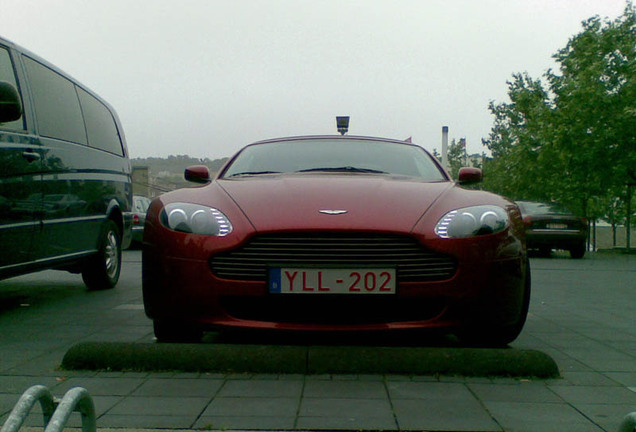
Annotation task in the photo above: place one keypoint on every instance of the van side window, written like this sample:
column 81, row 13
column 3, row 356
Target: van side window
column 57, row 107
column 8, row 74
column 100, row 125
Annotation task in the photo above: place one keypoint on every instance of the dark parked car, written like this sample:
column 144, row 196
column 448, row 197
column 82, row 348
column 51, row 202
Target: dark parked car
column 335, row 233
column 65, row 176
column 552, row 226
column 139, row 209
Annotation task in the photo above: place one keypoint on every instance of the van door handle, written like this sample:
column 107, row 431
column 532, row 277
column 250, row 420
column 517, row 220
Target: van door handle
column 31, row 156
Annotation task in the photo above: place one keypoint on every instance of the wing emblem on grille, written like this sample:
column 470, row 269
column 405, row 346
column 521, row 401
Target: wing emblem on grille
column 333, row 212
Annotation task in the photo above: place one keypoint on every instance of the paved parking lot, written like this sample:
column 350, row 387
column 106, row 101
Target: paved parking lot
column 583, row 314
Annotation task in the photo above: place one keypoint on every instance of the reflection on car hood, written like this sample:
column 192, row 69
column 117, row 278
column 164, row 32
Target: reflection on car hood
column 370, row 202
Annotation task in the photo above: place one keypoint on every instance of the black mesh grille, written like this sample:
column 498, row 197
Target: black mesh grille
column 411, row 260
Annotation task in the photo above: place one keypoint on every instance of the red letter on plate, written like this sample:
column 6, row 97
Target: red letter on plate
column 291, row 278
column 320, row 287
column 305, row 287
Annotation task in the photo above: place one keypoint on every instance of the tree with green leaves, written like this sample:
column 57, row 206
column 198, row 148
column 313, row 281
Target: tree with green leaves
column 515, row 140
column 456, row 156
column 573, row 138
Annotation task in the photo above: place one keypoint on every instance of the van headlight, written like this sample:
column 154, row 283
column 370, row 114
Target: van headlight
column 195, row 219
column 472, row 221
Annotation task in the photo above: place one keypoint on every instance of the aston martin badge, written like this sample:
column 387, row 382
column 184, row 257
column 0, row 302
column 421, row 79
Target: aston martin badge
column 332, row 212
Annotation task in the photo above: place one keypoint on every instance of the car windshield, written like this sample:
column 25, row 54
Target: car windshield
column 335, row 155
column 535, row 208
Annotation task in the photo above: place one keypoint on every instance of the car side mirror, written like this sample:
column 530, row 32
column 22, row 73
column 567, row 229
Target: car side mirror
column 10, row 106
column 197, row 174
column 469, row 175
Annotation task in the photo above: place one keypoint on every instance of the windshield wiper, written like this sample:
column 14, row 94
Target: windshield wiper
column 252, row 173
column 345, row 169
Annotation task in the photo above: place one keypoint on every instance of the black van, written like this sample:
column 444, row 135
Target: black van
column 65, row 175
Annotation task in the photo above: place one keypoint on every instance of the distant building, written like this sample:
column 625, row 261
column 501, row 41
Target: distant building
column 141, row 181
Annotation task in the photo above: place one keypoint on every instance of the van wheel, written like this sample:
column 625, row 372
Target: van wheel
column 102, row 269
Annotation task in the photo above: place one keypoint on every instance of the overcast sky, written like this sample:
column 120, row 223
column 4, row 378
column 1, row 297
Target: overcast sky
column 204, row 78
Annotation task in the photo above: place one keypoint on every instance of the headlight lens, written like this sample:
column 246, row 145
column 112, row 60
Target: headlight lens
column 195, row 219
column 472, row 221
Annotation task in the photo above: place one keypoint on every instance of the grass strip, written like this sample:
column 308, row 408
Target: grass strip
column 287, row 359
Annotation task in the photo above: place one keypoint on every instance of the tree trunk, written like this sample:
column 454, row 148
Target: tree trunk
column 628, row 224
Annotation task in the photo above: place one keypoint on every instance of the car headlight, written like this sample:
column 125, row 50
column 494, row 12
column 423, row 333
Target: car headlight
column 195, row 219
column 472, row 221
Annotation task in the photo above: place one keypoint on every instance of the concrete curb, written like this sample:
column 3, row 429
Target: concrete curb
column 225, row 358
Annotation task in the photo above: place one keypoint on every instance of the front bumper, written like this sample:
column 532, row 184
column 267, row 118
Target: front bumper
column 137, row 233
column 185, row 290
column 555, row 239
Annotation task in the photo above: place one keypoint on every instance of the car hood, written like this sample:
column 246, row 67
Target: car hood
column 361, row 202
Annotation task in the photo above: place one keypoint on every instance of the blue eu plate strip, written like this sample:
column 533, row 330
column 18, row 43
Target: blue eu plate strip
column 274, row 280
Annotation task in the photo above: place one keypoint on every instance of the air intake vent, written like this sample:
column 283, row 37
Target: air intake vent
column 412, row 261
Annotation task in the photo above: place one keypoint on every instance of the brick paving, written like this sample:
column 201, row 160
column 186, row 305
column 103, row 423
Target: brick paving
column 583, row 314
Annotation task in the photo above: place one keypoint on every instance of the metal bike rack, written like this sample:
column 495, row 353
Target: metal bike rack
column 55, row 413
column 629, row 423
column 26, row 402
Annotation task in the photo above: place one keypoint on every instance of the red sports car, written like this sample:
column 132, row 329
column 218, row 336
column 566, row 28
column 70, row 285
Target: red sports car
column 333, row 234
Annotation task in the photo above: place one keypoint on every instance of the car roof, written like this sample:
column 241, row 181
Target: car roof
column 335, row 137
column 553, row 207
column 56, row 69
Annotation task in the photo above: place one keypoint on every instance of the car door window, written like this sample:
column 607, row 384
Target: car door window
column 20, row 196
column 102, row 131
column 7, row 74
column 57, row 108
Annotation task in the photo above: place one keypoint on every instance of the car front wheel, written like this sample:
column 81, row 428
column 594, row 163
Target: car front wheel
column 578, row 251
column 493, row 336
column 102, row 269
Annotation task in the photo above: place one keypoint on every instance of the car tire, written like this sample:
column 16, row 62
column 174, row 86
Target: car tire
column 578, row 251
column 102, row 270
column 176, row 332
column 493, row 336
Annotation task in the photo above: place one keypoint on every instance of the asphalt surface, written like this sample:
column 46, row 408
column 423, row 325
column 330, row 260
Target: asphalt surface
column 582, row 315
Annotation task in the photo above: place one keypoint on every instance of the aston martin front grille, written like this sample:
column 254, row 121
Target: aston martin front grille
column 413, row 263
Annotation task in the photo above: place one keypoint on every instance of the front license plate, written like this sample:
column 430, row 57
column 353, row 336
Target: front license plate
column 556, row 226
column 331, row 281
